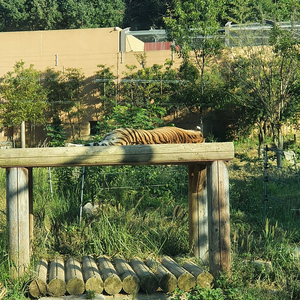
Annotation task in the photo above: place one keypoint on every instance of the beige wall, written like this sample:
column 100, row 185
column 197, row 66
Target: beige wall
column 80, row 48
column 77, row 48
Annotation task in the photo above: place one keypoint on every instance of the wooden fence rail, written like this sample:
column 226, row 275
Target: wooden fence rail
column 208, row 190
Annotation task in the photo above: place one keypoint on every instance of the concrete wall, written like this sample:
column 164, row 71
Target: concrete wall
column 59, row 49
column 75, row 48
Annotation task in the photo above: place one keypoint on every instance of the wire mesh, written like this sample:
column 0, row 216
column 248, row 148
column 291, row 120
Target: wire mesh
column 280, row 183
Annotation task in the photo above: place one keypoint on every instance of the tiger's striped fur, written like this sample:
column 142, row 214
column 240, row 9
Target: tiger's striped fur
column 161, row 135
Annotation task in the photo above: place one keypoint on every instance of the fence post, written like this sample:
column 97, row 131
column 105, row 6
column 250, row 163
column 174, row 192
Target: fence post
column 218, row 218
column 198, row 223
column 17, row 198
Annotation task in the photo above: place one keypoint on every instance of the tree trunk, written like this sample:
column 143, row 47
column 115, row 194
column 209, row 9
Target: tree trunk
column 279, row 153
column 261, row 138
column 278, row 142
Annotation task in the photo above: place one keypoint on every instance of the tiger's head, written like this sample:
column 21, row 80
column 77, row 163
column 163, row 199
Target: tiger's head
column 113, row 138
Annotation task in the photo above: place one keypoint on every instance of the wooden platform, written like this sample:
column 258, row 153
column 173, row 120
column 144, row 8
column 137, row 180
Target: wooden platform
column 115, row 276
column 208, row 191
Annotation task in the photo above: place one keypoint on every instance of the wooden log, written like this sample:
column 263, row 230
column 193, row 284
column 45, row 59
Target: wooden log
column 74, row 277
column 91, row 275
column 148, row 280
column 17, row 199
column 203, row 278
column 130, row 281
column 198, row 212
column 111, row 280
column 117, row 155
column 38, row 286
column 219, row 218
column 167, row 281
column 57, row 285
column 185, row 280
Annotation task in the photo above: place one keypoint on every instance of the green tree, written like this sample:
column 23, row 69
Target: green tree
column 193, row 26
column 23, row 97
column 264, row 82
column 277, row 11
column 144, row 14
column 59, row 14
column 239, row 11
column 12, row 14
column 66, row 96
column 41, row 15
column 137, row 117
column 106, row 88
column 155, row 84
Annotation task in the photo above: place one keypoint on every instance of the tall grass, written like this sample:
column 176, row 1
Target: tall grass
column 135, row 216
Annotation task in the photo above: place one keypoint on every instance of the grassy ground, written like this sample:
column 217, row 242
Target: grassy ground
column 144, row 210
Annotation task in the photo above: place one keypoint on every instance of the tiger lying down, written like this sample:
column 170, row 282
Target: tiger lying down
column 161, row 135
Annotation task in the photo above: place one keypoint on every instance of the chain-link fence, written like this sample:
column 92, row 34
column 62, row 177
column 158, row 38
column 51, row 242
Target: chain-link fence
column 281, row 184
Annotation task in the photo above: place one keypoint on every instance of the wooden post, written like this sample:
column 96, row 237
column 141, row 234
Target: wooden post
column 23, row 137
column 17, row 198
column 198, row 219
column 218, row 218
column 30, row 187
column 30, row 184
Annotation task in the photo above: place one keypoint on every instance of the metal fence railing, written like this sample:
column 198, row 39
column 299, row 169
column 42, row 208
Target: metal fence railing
column 233, row 35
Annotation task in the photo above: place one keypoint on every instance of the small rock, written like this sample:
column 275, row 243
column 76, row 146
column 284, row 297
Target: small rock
column 90, row 209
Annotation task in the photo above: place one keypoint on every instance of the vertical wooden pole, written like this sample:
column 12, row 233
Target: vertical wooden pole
column 198, row 219
column 18, row 218
column 30, row 183
column 30, row 191
column 218, row 218
column 23, row 137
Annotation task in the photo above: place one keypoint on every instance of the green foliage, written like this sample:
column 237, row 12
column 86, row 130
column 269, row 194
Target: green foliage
column 190, row 19
column 23, row 95
column 56, row 133
column 142, row 15
column 138, row 117
column 60, row 14
column 106, row 89
column 139, row 211
column 263, row 82
column 66, row 95
column 200, row 294
column 193, row 27
column 90, row 294
column 240, row 11
column 156, row 84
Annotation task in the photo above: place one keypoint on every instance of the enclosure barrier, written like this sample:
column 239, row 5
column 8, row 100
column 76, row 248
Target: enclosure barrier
column 208, row 195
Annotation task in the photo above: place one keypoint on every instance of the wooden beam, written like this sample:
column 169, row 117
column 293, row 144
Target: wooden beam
column 116, row 155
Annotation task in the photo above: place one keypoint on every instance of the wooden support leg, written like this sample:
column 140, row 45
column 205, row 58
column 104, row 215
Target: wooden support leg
column 198, row 219
column 218, row 218
column 18, row 218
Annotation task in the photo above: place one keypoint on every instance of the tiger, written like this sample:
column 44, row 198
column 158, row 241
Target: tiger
column 160, row 135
